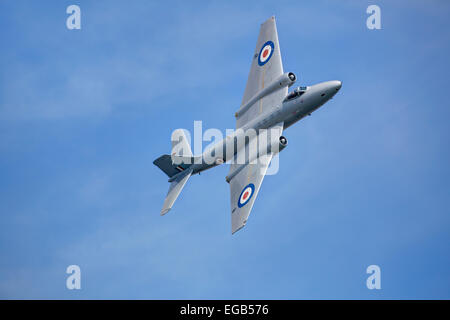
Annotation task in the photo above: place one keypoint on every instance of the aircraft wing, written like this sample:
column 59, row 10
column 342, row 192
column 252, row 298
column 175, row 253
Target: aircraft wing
column 266, row 66
column 245, row 185
column 244, row 189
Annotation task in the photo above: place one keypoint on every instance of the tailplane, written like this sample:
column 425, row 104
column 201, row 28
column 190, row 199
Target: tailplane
column 177, row 166
column 174, row 190
column 165, row 164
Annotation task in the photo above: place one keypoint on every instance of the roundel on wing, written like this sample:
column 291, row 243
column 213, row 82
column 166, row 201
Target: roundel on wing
column 265, row 53
column 246, row 195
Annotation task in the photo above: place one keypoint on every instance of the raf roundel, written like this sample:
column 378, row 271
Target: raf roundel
column 265, row 53
column 246, row 195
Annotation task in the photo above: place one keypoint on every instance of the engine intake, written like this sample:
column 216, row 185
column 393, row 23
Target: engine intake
column 292, row 77
column 283, row 143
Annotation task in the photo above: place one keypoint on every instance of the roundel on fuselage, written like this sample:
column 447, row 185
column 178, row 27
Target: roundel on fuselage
column 265, row 53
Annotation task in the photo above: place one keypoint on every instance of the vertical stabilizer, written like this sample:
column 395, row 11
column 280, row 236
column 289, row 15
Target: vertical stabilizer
column 180, row 144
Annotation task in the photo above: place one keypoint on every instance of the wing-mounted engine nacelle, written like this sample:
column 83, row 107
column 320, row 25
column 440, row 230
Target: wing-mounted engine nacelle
column 292, row 77
column 282, row 143
column 277, row 145
column 285, row 80
column 274, row 147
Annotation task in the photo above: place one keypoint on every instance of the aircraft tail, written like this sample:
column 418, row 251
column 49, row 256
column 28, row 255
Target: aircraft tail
column 175, row 189
column 177, row 166
column 181, row 157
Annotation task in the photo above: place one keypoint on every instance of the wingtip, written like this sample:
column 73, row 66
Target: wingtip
column 268, row 20
column 239, row 228
column 164, row 211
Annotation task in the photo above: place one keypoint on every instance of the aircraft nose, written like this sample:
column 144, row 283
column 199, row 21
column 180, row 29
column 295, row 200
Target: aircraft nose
column 337, row 85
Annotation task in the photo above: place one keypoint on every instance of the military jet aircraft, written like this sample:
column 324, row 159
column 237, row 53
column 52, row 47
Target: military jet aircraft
column 266, row 107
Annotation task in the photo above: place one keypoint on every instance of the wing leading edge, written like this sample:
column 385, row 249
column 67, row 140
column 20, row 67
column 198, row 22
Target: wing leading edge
column 245, row 185
column 244, row 189
column 266, row 67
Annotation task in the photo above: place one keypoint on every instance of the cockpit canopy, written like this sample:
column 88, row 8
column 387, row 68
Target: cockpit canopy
column 296, row 93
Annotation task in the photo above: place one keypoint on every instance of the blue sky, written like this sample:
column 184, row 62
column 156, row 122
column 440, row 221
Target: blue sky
column 83, row 113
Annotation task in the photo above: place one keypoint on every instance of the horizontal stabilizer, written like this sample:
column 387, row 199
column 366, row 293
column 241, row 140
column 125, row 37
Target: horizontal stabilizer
column 165, row 164
column 174, row 190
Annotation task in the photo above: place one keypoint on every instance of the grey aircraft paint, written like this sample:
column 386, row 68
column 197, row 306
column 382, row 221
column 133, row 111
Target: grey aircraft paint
column 266, row 105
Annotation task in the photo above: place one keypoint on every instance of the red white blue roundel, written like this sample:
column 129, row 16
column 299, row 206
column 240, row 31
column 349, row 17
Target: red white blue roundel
column 246, row 195
column 265, row 53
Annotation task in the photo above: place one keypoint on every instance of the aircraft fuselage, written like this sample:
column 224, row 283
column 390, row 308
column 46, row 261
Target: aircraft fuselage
column 288, row 112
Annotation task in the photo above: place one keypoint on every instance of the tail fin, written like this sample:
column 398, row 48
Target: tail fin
column 180, row 158
column 180, row 144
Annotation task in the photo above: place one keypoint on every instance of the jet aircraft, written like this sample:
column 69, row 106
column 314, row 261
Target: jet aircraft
column 266, row 109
